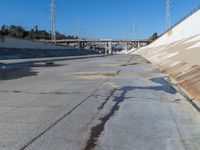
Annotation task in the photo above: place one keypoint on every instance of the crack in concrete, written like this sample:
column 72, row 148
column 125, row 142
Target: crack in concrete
column 106, row 100
column 60, row 119
column 97, row 130
column 43, row 93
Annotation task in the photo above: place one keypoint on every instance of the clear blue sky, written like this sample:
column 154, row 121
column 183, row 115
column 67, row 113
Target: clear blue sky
column 96, row 18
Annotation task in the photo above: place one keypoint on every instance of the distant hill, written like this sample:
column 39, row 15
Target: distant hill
column 33, row 34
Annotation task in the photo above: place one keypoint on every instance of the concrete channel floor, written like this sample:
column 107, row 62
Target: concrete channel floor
column 109, row 103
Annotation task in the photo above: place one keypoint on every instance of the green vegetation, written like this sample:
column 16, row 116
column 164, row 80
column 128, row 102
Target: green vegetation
column 154, row 37
column 20, row 33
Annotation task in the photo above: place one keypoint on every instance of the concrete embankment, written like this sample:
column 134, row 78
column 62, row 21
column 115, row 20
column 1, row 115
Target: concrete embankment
column 177, row 53
column 16, row 48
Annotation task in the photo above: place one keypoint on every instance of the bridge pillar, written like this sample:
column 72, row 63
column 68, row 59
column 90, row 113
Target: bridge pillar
column 80, row 45
column 110, row 47
column 126, row 46
column 93, row 48
column 138, row 45
column 106, row 48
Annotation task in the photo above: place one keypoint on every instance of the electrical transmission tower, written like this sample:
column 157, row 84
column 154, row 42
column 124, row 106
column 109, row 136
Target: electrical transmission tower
column 53, row 22
column 168, row 14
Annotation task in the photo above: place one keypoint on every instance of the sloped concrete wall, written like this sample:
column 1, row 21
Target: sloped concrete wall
column 177, row 53
column 11, row 48
column 187, row 28
column 26, row 44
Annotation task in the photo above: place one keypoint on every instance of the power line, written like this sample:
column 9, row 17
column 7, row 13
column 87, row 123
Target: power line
column 53, row 22
column 39, row 5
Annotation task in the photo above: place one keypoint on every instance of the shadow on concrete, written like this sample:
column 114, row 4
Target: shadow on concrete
column 97, row 130
column 11, row 53
column 165, row 87
column 16, row 73
column 43, row 65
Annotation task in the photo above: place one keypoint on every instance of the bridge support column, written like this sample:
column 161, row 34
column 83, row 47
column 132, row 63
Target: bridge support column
column 93, row 47
column 138, row 45
column 79, row 44
column 110, row 47
column 106, row 48
column 126, row 46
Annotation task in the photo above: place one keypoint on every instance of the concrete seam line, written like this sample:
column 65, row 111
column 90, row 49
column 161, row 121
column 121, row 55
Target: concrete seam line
column 61, row 118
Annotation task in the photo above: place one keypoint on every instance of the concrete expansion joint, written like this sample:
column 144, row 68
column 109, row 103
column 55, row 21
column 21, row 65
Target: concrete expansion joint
column 60, row 118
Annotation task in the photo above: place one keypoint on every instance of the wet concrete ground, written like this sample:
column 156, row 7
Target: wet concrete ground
column 107, row 103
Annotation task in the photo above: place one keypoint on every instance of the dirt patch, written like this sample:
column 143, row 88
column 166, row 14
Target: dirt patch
column 94, row 75
column 119, row 65
column 111, row 65
column 130, row 64
column 111, row 84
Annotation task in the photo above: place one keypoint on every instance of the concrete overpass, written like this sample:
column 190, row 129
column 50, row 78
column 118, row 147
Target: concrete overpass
column 105, row 46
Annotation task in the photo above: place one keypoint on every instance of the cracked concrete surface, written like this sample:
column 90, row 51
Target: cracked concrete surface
column 134, row 109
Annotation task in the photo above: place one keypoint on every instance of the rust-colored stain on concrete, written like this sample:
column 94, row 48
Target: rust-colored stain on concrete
column 94, row 75
column 179, row 61
column 169, row 33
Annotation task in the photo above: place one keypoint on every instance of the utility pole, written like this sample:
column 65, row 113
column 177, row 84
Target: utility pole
column 134, row 31
column 53, row 22
column 78, row 30
column 168, row 14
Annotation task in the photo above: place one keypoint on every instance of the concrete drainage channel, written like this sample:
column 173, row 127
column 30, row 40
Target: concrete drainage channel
column 21, row 63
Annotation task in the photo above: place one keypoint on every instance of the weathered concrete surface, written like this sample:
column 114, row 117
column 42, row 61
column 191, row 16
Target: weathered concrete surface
column 115, row 102
column 177, row 53
column 7, row 42
column 180, row 60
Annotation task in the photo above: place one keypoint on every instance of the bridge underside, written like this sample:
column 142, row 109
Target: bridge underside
column 104, row 47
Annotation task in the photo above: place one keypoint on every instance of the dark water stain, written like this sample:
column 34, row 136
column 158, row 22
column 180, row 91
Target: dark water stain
column 43, row 93
column 97, row 130
column 106, row 100
column 10, row 91
column 177, row 100
column 60, row 93
column 130, row 64
column 133, row 64
column 47, row 65
column 16, row 73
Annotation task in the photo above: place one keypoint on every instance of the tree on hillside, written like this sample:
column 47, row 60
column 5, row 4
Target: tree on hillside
column 34, row 33
column 16, row 32
column 154, row 37
column 4, row 30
